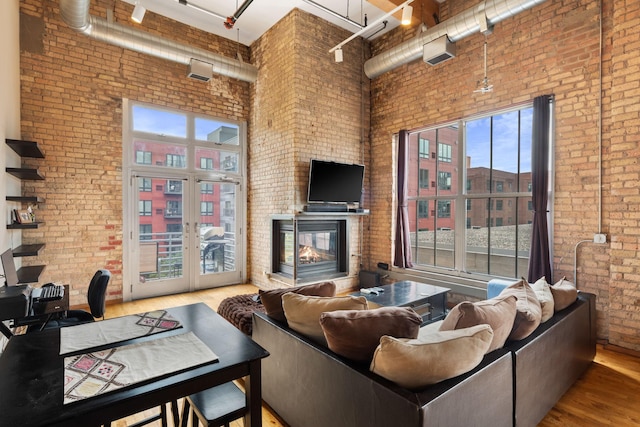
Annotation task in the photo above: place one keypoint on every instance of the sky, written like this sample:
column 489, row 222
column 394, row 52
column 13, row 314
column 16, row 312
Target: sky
column 171, row 123
column 505, row 141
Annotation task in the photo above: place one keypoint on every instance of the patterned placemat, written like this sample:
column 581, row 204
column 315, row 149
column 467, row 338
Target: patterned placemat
column 92, row 374
column 111, row 331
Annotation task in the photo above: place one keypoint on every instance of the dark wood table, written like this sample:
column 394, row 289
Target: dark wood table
column 428, row 301
column 31, row 376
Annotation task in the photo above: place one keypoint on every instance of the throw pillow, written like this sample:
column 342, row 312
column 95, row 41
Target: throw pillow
column 439, row 356
column 303, row 312
column 528, row 310
column 564, row 294
column 545, row 297
column 498, row 312
column 272, row 300
column 355, row 334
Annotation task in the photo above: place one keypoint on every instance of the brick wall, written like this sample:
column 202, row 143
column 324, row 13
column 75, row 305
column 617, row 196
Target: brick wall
column 72, row 91
column 304, row 105
column 552, row 48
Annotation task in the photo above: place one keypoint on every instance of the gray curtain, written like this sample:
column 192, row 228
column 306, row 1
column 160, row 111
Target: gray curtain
column 402, row 256
column 539, row 265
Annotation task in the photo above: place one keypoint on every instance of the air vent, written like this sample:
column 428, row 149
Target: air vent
column 200, row 70
column 438, row 50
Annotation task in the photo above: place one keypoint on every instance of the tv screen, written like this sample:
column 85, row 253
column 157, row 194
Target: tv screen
column 331, row 182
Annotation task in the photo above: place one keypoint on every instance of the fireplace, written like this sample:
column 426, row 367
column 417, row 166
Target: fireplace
column 308, row 250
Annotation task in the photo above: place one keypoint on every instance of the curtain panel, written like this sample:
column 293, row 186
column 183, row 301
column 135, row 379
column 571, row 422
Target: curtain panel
column 402, row 256
column 539, row 264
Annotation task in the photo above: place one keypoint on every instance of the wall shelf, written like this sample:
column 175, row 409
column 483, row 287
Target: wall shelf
column 30, row 273
column 28, row 250
column 25, row 173
column 25, row 199
column 25, row 148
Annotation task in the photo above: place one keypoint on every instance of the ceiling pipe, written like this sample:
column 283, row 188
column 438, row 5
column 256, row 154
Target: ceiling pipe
column 231, row 20
column 476, row 19
column 75, row 13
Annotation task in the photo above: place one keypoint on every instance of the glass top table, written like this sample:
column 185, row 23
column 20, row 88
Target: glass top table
column 428, row 301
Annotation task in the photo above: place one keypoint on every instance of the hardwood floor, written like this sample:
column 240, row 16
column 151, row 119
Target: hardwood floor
column 608, row 394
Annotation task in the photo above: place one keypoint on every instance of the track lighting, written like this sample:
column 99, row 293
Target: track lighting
column 407, row 13
column 138, row 13
column 338, row 53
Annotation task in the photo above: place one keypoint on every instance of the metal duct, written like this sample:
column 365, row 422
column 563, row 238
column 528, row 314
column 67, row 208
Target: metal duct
column 75, row 13
column 456, row 28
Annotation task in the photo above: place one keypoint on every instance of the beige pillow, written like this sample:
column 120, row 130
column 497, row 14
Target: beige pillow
column 272, row 299
column 498, row 312
column 564, row 294
column 545, row 297
column 303, row 312
column 438, row 356
column 529, row 311
column 355, row 334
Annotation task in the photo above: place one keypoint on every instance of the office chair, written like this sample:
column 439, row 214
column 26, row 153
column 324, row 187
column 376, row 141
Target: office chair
column 96, row 297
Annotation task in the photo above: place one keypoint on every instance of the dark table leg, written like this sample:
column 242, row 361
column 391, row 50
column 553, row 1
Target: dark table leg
column 253, row 390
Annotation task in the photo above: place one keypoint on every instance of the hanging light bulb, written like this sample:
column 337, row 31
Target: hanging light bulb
column 407, row 13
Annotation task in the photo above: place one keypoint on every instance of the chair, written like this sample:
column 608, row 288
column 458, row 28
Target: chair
column 215, row 407
column 96, row 297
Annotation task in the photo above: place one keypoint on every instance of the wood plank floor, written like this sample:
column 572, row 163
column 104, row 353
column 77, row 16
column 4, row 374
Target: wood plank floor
column 607, row 395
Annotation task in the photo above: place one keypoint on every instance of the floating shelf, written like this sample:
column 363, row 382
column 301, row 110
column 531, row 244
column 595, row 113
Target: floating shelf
column 24, row 173
column 28, row 250
column 30, row 225
column 30, row 273
column 25, row 148
column 25, row 199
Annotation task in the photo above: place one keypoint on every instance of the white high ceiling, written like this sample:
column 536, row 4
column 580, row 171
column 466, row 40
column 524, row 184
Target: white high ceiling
column 261, row 15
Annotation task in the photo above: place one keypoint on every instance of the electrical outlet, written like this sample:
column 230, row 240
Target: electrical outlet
column 599, row 238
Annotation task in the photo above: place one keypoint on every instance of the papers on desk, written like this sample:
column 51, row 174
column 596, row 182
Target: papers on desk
column 95, row 373
column 97, row 334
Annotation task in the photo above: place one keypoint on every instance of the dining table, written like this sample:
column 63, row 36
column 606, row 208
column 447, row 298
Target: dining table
column 34, row 375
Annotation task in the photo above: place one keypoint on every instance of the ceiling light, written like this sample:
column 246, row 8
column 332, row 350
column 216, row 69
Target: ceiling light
column 338, row 53
column 368, row 28
column 407, row 13
column 138, row 13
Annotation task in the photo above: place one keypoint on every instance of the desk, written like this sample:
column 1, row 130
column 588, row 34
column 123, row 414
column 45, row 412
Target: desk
column 38, row 313
column 31, row 376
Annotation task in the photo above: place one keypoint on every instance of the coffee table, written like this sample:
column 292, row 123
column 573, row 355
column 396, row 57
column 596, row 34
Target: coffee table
column 428, row 301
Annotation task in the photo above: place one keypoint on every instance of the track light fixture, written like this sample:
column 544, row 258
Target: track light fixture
column 407, row 13
column 338, row 53
column 138, row 13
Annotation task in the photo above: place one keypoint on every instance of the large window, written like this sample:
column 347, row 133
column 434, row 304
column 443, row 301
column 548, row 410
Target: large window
column 481, row 215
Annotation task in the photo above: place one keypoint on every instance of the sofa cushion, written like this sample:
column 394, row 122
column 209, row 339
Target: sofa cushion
column 355, row 334
column 545, row 297
column 529, row 311
column 272, row 299
column 436, row 357
column 303, row 312
column 498, row 312
column 564, row 294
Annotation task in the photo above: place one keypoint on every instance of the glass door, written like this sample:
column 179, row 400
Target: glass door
column 162, row 237
column 218, row 232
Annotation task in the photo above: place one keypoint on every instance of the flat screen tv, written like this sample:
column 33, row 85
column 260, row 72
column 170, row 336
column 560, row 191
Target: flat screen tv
column 331, row 182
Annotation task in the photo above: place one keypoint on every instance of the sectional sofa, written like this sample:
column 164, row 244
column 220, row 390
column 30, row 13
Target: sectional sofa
column 310, row 386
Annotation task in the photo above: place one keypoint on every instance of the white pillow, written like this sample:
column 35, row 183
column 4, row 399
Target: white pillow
column 543, row 292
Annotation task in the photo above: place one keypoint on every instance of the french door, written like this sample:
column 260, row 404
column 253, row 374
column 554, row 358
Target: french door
column 187, row 234
column 184, row 202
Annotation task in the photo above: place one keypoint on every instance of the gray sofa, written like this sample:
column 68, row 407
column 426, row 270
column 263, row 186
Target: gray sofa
column 310, row 386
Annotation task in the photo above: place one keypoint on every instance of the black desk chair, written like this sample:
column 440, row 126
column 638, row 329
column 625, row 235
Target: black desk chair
column 96, row 297
column 215, row 407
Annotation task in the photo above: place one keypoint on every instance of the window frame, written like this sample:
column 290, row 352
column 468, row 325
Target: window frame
column 458, row 275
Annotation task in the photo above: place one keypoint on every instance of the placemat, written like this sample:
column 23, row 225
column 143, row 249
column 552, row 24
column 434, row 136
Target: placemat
column 111, row 331
column 92, row 374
